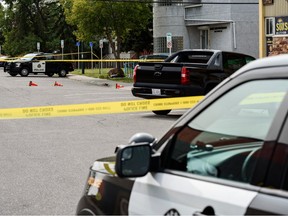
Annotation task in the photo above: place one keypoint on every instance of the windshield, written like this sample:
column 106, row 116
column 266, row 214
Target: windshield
column 255, row 103
column 28, row 57
column 196, row 57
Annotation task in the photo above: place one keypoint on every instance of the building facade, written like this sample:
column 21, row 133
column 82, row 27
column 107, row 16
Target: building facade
column 209, row 24
column 273, row 22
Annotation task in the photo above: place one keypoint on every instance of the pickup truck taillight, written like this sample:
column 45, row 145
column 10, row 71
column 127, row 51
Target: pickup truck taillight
column 134, row 73
column 185, row 79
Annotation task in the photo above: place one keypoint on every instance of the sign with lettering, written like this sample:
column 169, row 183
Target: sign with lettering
column 38, row 66
column 169, row 40
column 281, row 25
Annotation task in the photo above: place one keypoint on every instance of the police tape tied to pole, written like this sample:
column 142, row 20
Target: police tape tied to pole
column 99, row 108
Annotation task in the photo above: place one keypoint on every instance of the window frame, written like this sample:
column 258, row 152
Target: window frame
column 271, row 22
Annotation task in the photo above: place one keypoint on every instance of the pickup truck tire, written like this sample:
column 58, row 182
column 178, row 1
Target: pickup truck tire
column 161, row 112
column 24, row 72
column 62, row 73
column 50, row 74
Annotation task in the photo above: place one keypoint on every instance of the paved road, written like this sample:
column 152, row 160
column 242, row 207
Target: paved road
column 45, row 161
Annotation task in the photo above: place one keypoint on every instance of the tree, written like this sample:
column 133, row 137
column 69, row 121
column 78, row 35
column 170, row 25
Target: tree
column 96, row 19
column 2, row 17
column 27, row 22
column 139, row 40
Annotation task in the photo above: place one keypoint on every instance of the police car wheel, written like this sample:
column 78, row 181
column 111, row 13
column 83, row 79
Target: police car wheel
column 13, row 74
column 63, row 73
column 24, row 72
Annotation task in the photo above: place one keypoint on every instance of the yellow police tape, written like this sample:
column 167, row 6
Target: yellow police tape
column 99, row 108
column 83, row 60
column 105, row 60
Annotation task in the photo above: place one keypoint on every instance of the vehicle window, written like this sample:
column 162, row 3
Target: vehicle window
column 233, row 61
column 277, row 177
column 249, row 59
column 284, row 185
column 49, row 57
column 193, row 57
column 39, row 58
column 173, row 60
column 28, row 57
column 224, row 140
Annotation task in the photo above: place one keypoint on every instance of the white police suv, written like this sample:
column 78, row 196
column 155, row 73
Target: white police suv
column 228, row 155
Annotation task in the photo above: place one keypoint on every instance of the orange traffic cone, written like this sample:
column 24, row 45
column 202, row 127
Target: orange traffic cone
column 57, row 84
column 32, row 84
column 119, row 86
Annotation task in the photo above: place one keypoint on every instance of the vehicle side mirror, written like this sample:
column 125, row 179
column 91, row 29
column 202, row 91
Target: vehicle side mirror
column 133, row 160
column 140, row 138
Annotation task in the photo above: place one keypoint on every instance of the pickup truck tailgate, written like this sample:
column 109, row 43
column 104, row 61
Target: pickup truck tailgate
column 159, row 73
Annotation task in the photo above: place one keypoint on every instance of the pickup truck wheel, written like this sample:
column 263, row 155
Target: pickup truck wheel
column 50, row 74
column 62, row 73
column 24, row 72
column 161, row 112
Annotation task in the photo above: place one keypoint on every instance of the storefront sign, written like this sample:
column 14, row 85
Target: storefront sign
column 281, row 25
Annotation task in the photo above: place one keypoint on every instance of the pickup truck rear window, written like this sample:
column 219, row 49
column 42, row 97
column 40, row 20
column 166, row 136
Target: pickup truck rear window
column 192, row 57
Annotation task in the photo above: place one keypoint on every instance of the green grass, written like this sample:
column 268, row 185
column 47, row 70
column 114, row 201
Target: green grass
column 103, row 74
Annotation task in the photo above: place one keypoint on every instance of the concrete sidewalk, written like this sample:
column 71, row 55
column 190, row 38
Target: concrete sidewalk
column 100, row 82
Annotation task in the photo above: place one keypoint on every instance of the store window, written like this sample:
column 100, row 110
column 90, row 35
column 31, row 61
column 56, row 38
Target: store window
column 204, row 39
column 269, row 26
column 170, row 2
column 160, row 44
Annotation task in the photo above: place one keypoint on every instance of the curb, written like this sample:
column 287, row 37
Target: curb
column 99, row 82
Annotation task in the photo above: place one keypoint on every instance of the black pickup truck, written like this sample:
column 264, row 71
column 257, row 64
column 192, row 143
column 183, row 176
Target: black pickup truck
column 34, row 63
column 191, row 72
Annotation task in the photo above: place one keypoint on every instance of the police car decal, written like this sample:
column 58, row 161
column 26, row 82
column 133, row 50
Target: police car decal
column 103, row 187
column 38, row 67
